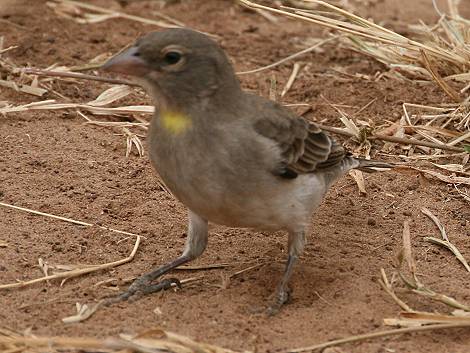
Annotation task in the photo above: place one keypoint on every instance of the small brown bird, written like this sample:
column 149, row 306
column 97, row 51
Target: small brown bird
column 231, row 157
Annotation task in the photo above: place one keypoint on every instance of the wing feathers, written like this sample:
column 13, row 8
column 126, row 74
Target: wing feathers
column 304, row 146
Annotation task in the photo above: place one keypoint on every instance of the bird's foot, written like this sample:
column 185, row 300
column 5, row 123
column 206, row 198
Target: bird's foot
column 283, row 295
column 141, row 287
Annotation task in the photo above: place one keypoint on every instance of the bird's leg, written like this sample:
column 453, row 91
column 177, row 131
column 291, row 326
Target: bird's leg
column 296, row 245
column 195, row 246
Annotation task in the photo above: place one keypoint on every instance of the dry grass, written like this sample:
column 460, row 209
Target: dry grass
column 441, row 53
column 73, row 271
column 69, row 271
column 407, row 273
column 84, row 13
column 154, row 340
column 158, row 340
column 99, row 106
column 445, row 242
column 14, row 79
column 367, row 336
column 438, row 53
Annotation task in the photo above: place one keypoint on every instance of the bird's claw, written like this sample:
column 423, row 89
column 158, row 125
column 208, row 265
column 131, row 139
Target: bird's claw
column 273, row 309
column 141, row 290
column 283, row 295
column 142, row 287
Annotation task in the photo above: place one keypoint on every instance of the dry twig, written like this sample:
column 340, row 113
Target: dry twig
column 365, row 36
column 387, row 286
column 76, row 75
column 68, row 8
column 404, row 141
column 414, row 319
column 154, row 340
column 290, row 57
column 69, row 220
column 291, row 79
column 414, row 283
column 379, row 334
column 76, row 272
column 445, row 242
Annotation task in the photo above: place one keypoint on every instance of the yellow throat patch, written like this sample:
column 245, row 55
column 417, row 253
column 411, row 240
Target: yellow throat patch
column 175, row 122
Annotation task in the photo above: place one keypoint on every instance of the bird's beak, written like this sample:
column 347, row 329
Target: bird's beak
column 128, row 62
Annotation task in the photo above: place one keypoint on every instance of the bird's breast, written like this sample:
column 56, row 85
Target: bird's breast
column 226, row 182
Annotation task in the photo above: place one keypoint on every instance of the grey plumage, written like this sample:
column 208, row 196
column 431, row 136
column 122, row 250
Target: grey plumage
column 231, row 157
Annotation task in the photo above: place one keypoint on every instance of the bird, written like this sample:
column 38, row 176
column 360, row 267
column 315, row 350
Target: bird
column 231, row 157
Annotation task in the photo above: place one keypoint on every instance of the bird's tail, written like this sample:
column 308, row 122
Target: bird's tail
column 370, row 166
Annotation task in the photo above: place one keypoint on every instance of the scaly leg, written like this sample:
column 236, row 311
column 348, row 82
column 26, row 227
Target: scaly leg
column 195, row 246
column 296, row 246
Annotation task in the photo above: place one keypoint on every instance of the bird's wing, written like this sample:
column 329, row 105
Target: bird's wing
column 305, row 148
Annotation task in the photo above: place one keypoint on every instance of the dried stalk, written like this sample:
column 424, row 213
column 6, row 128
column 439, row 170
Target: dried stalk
column 387, row 286
column 445, row 242
column 76, row 272
column 292, row 77
column 414, row 283
column 77, row 75
column 401, row 140
column 155, row 340
column 424, row 318
column 438, row 79
column 290, row 57
column 103, row 10
column 378, row 335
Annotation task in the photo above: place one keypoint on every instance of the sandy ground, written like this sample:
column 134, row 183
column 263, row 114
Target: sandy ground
column 54, row 163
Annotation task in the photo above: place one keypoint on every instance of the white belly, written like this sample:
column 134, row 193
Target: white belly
column 282, row 205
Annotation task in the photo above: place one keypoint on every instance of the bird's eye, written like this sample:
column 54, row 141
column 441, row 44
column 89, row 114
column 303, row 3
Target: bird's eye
column 172, row 57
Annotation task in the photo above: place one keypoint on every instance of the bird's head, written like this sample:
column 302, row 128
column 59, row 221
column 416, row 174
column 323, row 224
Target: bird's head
column 178, row 67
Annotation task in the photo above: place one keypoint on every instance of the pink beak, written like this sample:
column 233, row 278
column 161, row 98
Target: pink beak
column 128, row 62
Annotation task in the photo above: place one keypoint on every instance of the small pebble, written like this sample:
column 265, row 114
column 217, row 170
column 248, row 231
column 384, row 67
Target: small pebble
column 371, row 221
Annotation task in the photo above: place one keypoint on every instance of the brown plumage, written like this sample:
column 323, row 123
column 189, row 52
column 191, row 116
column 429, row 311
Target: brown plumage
column 305, row 148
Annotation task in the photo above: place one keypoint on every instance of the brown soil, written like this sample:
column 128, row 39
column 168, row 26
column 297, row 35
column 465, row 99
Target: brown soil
column 52, row 162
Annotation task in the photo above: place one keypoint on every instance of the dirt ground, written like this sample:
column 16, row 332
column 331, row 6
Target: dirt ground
column 53, row 162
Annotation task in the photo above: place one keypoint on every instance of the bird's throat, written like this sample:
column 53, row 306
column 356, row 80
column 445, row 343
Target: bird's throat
column 175, row 122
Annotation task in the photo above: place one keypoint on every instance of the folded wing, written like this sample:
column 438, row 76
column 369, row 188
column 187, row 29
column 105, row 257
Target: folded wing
column 305, row 148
